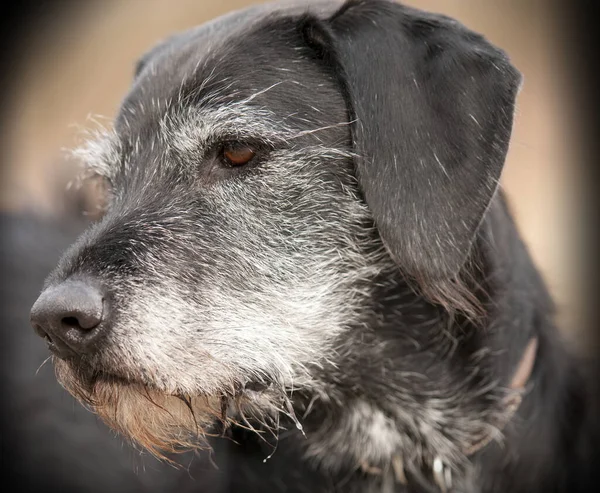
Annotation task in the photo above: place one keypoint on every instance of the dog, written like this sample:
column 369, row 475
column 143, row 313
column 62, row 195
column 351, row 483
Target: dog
column 305, row 249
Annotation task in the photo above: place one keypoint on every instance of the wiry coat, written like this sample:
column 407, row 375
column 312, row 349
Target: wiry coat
column 357, row 295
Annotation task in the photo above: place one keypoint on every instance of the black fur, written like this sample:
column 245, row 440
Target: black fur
column 428, row 163
column 457, row 299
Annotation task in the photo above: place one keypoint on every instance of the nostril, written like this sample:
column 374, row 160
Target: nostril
column 83, row 321
column 70, row 322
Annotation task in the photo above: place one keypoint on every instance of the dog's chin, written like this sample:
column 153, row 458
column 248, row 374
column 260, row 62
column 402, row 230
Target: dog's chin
column 161, row 422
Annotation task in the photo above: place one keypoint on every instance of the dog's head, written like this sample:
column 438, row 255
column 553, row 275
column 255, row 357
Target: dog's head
column 263, row 171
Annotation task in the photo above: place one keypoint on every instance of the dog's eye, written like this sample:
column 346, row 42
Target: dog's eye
column 237, row 153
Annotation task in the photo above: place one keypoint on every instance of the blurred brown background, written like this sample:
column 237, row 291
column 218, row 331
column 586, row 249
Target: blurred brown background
column 80, row 63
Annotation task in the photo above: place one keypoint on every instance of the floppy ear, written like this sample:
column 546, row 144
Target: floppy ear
column 433, row 107
column 154, row 52
column 169, row 44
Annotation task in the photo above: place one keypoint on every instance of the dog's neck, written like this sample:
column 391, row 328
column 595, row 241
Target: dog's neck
column 412, row 416
column 427, row 392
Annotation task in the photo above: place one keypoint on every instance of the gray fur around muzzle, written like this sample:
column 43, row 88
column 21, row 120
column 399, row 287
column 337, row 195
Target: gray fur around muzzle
column 286, row 188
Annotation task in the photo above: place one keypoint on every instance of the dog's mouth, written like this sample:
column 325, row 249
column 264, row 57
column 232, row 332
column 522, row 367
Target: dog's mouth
column 167, row 422
column 91, row 376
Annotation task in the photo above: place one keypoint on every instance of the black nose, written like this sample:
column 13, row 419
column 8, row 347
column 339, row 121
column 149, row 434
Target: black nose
column 69, row 316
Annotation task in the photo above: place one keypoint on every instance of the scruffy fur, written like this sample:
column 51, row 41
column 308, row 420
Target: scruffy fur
column 356, row 298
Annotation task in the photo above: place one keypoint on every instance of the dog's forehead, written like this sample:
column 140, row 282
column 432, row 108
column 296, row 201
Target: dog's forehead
column 255, row 56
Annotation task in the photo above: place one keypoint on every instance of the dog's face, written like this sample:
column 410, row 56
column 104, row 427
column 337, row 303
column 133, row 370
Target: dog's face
column 262, row 172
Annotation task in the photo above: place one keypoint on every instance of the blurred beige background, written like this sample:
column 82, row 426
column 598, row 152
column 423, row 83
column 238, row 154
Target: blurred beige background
column 82, row 65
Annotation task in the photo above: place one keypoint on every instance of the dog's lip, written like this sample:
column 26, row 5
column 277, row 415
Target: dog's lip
column 113, row 377
column 58, row 348
column 91, row 375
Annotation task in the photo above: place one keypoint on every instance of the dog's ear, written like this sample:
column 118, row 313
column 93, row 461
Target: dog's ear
column 170, row 43
column 432, row 104
column 152, row 54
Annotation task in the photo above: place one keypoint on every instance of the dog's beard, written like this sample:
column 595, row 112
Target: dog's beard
column 164, row 423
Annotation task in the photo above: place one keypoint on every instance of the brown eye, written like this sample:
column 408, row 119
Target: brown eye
column 238, row 154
